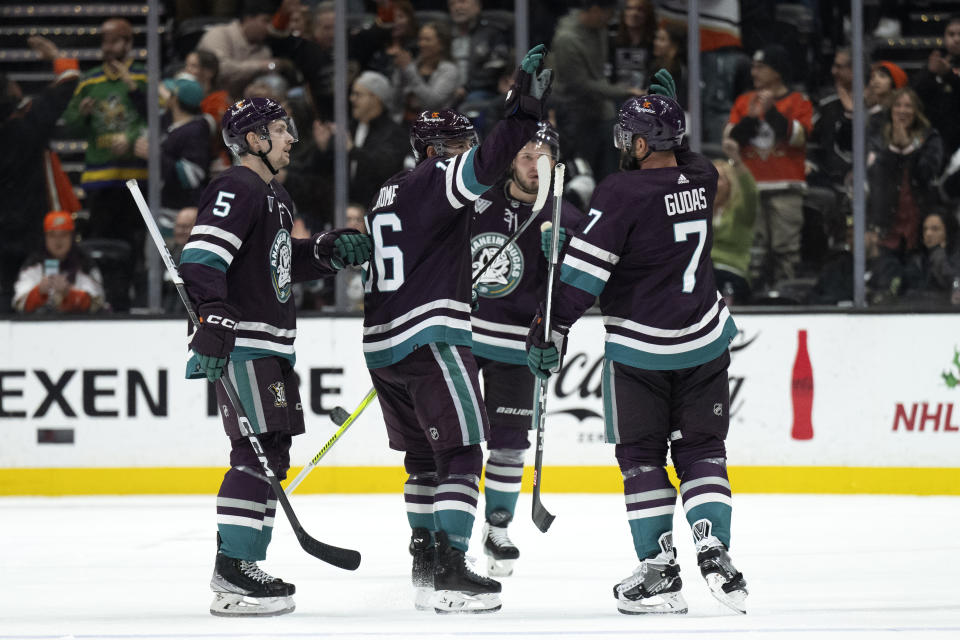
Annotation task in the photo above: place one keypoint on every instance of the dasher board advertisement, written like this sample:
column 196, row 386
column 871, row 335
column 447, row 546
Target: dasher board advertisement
column 821, row 403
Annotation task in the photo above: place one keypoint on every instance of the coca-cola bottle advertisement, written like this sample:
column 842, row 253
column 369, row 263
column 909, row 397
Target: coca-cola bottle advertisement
column 801, row 391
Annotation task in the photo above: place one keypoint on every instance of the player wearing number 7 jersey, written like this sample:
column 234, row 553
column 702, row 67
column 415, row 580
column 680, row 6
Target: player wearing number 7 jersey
column 417, row 334
column 644, row 250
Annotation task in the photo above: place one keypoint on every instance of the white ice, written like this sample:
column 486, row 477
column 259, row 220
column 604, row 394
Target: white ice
column 846, row 567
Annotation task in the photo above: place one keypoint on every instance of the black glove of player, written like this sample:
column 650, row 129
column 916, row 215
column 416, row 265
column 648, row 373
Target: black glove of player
column 532, row 86
column 343, row 247
column 214, row 338
column 544, row 358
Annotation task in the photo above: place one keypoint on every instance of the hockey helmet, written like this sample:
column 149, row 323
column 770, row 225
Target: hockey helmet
column 546, row 138
column 434, row 128
column 252, row 114
column 657, row 119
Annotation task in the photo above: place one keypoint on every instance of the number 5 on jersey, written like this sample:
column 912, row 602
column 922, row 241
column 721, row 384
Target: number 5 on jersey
column 222, row 207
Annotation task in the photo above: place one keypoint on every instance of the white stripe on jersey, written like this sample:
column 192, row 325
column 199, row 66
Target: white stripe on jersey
column 249, row 505
column 682, row 347
column 630, row 325
column 699, row 482
column 452, row 323
column 586, row 267
column 454, row 505
column 240, row 521
column 461, row 186
column 500, row 342
column 266, row 328
column 581, row 245
column 652, row 512
column 209, row 247
column 449, row 179
column 265, row 344
column 655, row 494
column 704, row 498
column 499, row 328
column 217, row 232
column 443, row 303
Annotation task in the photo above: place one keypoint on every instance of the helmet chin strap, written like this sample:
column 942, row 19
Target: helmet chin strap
column 629, row 162
column 263, row 156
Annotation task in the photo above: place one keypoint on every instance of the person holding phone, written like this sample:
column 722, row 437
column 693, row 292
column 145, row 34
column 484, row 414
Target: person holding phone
column 60, row 279
column 939, row 87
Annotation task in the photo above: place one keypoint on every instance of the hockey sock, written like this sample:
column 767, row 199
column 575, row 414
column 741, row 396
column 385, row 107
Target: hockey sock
column 502, row 479
column 244, row 516
column 705, row 491
column 418, row 493
column 650, row 502
column 455, row 507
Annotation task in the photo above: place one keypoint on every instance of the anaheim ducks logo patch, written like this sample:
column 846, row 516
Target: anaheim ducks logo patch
column 281, row 258
column 505, row 273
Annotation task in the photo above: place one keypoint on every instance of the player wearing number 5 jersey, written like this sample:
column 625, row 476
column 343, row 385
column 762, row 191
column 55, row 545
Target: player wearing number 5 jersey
column 416, row 335
column 644, row 250
column 239, row 267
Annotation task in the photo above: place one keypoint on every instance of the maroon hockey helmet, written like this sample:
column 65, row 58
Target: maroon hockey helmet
column 434, row 128
column 252, row 114
column 658, row 119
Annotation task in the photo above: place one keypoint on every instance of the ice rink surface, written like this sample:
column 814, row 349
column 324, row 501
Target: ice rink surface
column 851, row 567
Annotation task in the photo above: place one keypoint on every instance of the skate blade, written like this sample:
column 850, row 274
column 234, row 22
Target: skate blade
column 422, row 598
column 445, row 602
column 500, row 568
column 735, row 600
column 236, row 605
column 659, row 604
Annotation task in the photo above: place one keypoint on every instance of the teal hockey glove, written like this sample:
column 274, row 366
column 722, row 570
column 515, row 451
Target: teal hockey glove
column 529, row 92
column 545, row 358
column 352, row 248
column 214, row 338
column 664, row 84
column 546, row 238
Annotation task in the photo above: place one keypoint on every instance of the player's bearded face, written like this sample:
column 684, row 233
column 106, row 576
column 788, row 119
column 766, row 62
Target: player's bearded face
column 525, row 167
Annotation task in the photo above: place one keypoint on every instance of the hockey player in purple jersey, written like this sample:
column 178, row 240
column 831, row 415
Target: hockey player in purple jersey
column 644, row 250
column 509, row 291
column 416, row 331
column 239, row 266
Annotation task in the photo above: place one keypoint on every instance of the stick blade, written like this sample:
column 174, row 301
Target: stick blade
column 339, row 415
column 543, row 182
column 343, row 558
column 541, row 517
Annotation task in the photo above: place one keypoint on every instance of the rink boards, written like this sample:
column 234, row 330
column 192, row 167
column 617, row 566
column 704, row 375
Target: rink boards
column 101, row 407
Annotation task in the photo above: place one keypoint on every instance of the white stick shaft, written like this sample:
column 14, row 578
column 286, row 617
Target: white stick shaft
column 558, row 172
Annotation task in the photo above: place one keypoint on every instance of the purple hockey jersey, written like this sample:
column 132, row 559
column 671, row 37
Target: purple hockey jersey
column 418, row 285
column 513, row 286
column 644, row 249
column 240, row 252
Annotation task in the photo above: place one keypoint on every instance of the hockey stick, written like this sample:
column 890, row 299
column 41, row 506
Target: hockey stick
column 343, row 558
column 344, row 425
column 541, row 517
column 339, row 415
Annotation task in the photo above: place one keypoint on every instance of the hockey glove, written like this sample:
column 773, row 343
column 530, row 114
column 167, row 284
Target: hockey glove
column 664, row 84
column 546, row 238
column 529, row 92
column 544, row 358
column 342, row 247
column 214, row 338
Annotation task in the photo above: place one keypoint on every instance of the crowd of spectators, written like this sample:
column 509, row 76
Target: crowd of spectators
column 782, row 137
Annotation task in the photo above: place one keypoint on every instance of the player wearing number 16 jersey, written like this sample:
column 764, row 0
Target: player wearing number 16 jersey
column 416, row 333
column 644, row 250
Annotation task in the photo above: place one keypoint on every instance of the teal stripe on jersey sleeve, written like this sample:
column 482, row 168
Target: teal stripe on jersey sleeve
column 581, row 280
column 469, row 174
column 206, row 258
column 672, row 361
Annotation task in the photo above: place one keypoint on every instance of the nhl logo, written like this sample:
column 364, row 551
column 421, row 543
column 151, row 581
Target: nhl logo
column 434, row 433
column 225, row 410
column 718, row 409
column 505, row 273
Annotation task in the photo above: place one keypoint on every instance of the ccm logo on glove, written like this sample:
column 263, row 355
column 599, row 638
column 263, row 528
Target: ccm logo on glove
column 226, row 323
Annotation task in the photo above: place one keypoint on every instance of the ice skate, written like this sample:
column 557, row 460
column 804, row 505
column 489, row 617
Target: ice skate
column 241, row 588
column 458, row 589
column 726, row 583
column 500, row 551
column 654, row 586
column 424, row 554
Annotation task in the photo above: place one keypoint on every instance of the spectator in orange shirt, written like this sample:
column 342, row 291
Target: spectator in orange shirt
column 770, row 125
column 60, row 279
